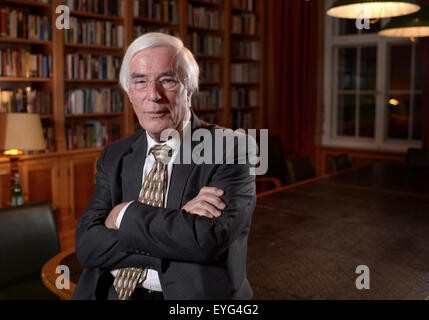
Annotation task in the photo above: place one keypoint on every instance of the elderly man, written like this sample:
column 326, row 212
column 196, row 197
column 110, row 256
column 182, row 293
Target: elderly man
column 155, row 227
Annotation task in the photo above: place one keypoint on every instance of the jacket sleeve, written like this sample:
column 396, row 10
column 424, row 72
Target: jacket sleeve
column 96, row 245
column 177, row 235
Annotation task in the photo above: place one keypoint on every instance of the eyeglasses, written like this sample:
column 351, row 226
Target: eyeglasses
column 167, row 83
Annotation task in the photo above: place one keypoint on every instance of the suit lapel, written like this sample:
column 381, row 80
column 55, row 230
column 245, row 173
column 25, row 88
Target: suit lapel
column 181, row 172
column 132, row 168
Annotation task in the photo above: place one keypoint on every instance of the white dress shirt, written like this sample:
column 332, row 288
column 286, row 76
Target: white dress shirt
column 152, row 280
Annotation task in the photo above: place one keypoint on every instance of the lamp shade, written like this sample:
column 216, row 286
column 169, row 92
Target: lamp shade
column 372, row 9
column 409, row 26
column 22, row 131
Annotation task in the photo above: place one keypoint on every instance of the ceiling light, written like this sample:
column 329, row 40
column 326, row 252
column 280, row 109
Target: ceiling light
column 409, row 26
column 372, row 9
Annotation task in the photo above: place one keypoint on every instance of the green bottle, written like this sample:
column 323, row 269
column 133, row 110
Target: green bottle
column 17, row 199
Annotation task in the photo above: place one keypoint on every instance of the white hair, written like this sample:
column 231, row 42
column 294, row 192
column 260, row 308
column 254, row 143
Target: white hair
column 184, row 59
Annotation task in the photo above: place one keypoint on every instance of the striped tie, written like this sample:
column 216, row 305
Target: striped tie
column 152, row 193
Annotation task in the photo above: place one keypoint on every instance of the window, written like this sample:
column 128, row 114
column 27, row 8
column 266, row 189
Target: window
column 404, row 92
column 356, row 91
column 372, row 93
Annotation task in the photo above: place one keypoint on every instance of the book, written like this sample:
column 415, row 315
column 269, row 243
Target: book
column 91, row 100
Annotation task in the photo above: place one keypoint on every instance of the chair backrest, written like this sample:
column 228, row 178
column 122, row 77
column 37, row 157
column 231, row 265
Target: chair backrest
column 28, row 238
column 340, row 162
column 300, row 169
column 418, row 157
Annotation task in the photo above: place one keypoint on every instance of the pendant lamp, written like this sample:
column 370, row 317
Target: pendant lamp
column 410, row 26
column 372, row 9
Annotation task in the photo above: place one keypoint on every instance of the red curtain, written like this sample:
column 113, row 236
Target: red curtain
column 424, row 47
column 294, row 46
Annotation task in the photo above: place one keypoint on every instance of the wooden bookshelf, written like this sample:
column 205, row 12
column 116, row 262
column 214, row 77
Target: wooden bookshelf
column 71, row 172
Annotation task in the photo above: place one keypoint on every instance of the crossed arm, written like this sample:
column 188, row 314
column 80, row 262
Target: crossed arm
column 198, row 232
column 206, row 204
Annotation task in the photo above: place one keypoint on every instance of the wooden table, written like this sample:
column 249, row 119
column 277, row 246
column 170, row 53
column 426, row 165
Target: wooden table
column 306, row 241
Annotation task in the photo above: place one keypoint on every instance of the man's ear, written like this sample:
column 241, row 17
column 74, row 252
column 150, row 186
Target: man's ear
column 129, row 96
column 188, row 97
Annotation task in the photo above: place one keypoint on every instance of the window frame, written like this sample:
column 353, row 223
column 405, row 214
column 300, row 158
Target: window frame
column 332, row 42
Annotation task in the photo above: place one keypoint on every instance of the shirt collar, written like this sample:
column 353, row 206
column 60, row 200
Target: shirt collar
column 174, row 142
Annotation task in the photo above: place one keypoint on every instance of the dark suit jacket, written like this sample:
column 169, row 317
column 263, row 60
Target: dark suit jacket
column 196, row 257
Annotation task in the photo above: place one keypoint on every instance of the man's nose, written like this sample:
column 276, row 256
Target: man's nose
column 153, row 92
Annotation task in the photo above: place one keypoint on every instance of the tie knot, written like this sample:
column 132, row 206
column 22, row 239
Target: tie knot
column 162, row 153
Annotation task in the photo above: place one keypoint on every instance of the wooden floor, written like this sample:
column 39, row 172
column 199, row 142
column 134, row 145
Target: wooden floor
column 306, row 242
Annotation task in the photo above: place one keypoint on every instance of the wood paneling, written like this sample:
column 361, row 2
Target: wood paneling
column 39, row 185
column 82, row 180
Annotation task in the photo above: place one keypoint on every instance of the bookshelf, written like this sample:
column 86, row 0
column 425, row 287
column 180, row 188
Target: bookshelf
column 205, row 38
column 93, row 50
column 226, row 37
column 247, row 83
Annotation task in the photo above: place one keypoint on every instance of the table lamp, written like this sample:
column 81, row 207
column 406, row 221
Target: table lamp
column 20, row 132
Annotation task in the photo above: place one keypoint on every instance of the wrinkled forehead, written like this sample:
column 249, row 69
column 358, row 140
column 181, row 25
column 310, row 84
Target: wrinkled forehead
column 155, row 61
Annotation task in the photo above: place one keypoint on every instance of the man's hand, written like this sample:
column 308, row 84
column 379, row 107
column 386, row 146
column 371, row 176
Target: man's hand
column 113, row 216
column 206, row 203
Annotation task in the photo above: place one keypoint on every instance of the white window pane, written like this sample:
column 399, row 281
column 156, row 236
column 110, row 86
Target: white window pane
column 368, row 76
column 367, row 116
column 400, row 67
column 398, row 113
column 346, row 114
column 347, row 60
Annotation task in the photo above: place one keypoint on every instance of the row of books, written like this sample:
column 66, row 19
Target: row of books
column 90, row 100
column 207, row 99
column 244, row 4
column 211, row 1
column 22, row 63
column 89, row 66
column 244, row 97
column 205, row 18
column 95, row 32
column 18, row 24
column 210, row 71
column 25, row 100
column 164, row 10
column 140, row 30
column 245, row 23
column 243, row 120
column 244, row 73
column 245, row 49
column 105, row 7
column 92, row 134
column 203, row 44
